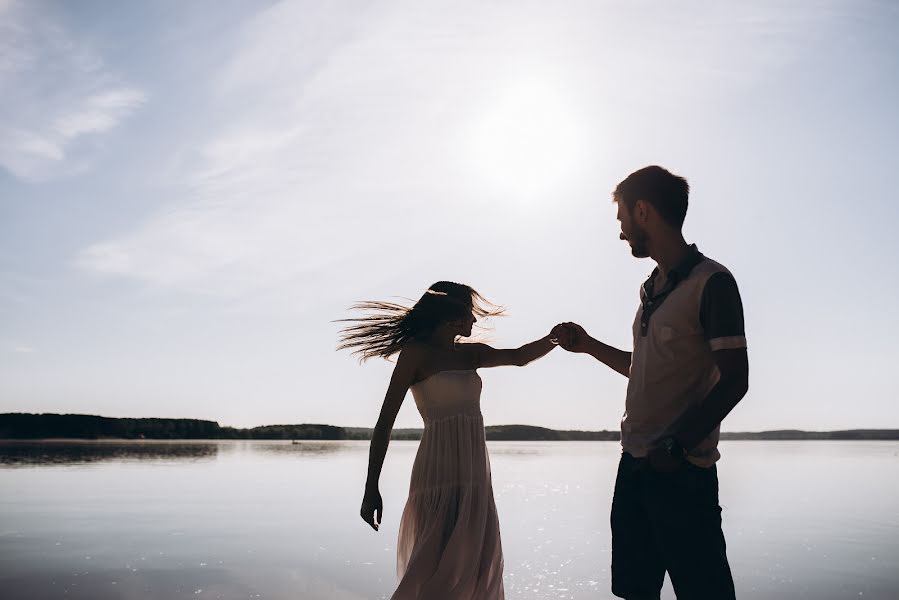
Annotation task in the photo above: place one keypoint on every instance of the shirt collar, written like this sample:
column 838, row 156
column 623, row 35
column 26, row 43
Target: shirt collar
column 677, row 274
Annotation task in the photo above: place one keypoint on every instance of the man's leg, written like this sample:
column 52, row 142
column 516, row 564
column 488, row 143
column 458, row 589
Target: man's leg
column 637, row 567
column 686, row 521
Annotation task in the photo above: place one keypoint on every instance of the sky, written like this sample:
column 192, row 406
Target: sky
column 191, row 194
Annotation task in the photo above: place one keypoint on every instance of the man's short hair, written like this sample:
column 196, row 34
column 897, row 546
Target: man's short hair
column 661, row 188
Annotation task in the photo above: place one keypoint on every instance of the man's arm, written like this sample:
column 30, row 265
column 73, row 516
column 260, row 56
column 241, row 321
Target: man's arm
column 721, row 316
column 699, row 422
column 575, row 339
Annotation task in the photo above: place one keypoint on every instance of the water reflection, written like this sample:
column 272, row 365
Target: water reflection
column 57, row 453
column 20, row 453
column 306, row 448
column 271, row 519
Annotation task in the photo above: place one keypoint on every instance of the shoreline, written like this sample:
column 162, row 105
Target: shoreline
column 752, row 437
column 51, row 426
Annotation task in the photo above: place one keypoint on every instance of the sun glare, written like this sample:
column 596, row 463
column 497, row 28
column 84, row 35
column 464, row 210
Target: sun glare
column 528, row 140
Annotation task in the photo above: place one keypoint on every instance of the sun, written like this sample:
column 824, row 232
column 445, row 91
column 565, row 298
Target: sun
column 528, row 140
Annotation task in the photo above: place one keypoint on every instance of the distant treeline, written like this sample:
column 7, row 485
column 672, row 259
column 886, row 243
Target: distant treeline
column 795, row 434
column 32, row 426
column 43, row 426
column 500, row 433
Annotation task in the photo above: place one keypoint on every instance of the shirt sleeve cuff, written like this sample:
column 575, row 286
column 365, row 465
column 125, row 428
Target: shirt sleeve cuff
column 728, row 343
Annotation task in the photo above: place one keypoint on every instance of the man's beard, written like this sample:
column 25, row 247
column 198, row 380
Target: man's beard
column 639, row 243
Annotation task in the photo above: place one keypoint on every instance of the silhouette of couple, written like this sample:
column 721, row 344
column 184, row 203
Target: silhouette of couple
column 687, row 370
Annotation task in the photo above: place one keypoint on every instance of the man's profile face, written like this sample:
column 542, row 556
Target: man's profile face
column 632, row 232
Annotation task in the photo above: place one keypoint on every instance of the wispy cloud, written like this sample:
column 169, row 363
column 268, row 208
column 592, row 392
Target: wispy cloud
column 310, row 161
column 335, row 127
column 99, row 112
column 56, row 91
column 16, row 347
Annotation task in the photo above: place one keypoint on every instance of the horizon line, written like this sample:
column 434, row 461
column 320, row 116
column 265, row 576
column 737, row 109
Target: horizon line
column 787, row 429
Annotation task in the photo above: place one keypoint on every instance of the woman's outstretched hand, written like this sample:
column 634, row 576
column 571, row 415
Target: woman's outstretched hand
column 372, row 506
column 560, row 335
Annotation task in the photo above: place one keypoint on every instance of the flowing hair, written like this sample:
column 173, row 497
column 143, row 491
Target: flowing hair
column 388, row 326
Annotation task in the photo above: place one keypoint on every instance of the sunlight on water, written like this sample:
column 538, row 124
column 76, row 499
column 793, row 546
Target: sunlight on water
column 241, row 519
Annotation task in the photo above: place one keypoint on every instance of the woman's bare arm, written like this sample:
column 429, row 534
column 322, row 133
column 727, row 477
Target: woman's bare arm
column 402, row 378
column 486, row 356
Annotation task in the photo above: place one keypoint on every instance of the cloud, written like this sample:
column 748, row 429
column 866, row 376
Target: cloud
column 57, row 90
column 339, row 135
column 311, row 162
column 100, row 112
column 16, row 347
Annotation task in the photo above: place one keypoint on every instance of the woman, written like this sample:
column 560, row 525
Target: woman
column 449, row 541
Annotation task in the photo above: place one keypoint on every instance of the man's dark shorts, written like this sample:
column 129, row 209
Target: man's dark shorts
column 668, row 522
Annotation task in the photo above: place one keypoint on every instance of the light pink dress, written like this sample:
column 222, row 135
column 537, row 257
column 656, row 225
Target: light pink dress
column 449, row 543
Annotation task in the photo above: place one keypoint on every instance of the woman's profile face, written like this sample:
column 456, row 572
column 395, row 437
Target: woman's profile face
column 462, row 327
column 467, row 324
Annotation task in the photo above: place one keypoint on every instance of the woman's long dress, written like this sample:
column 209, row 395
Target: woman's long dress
column 449, row 541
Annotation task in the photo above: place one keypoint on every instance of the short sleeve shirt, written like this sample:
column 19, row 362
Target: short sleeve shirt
column 678, row 327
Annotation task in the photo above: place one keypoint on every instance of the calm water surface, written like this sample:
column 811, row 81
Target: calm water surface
column 236, row 519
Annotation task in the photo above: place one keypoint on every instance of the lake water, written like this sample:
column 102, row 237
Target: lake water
column 237, row 519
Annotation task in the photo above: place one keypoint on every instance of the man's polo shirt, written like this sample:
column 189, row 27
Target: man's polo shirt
column 677, row 330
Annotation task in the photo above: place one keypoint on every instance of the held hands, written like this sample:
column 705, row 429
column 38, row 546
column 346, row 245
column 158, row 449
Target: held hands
column 372, row 505
column 570, row 336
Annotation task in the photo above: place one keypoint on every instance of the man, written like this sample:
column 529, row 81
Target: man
column 688, row 369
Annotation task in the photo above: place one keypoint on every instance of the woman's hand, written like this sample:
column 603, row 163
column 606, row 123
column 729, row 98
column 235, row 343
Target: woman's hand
column 558, row 333
column 372, row 506
column 571, row 337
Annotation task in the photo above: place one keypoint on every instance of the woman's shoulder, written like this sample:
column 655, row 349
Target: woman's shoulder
column 471, row 351
column 471, row 346
column 421, row 353
column 414, row 351
column 413, row 347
